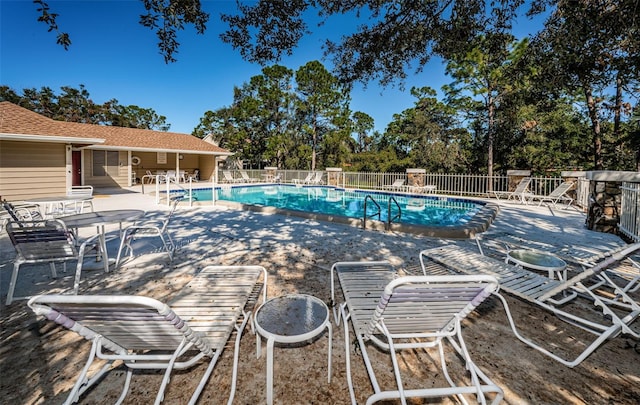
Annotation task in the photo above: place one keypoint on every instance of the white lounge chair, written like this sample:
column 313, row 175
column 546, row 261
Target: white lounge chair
column 145, row 333
column 414, row 312
column 306, row 180
column 148, row 228
column 44, row 241
column 557, row 195
column 317, row 178
column 520, row 193
column 246, row 178
column 551, row 295
column 397, row 185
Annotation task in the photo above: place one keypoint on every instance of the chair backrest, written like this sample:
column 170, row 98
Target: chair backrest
column 44, row 240
column 398, row 182
column 227, row 175
column 244, row 175
column 592, row 271
column 80, row 191
column 125, row 322
column 561, row 189
column 19, row 214
column 318, row 177
column 429, row 304
column 196, row 174
column 523, row 185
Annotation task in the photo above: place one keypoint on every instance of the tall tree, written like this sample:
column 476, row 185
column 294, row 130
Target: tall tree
column 591, row 46
column 322, row 104
column 483, row 71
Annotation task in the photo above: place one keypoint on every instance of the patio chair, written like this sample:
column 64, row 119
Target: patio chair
column 551, row 295
column 146, row 334
column 246, row 178
column 397, row 185
column 413, row 312
column 78, row 207
column 44, row 241
column 172, row 175
column 306, row 180
column 557, row 195
column 19, row 212
column 149, row 228
column 196, row 175
column 520, row 193
column 149, row 177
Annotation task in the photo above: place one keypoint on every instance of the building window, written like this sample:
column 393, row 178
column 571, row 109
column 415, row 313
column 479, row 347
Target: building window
column 161, row 158
column 105, row 163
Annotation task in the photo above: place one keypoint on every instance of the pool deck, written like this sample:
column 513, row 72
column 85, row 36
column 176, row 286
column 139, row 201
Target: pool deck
column 209, row 234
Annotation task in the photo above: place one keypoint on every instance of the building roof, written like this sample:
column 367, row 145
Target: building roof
column 18, row 123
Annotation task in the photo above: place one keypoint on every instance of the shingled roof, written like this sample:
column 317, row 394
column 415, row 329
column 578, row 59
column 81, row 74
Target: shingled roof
column 18, row 123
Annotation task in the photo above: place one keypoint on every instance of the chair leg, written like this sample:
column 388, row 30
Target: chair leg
column 125, row 242
column 12, row 283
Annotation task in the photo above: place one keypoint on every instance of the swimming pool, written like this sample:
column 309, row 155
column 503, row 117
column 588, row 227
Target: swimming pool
column 419, row 213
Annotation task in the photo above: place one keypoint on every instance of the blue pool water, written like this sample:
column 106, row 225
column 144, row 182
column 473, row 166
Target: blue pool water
column 416, row 210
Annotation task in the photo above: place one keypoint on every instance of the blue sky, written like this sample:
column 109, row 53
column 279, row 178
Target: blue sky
column 115, row 57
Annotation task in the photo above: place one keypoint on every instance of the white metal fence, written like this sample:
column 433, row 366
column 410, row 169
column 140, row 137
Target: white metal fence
column 477, row 185
column 630, row 211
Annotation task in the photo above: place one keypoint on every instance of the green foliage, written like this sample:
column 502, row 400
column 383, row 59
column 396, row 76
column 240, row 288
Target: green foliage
column 75, row 105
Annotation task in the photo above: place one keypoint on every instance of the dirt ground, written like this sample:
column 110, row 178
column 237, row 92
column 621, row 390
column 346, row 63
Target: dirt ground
column 39, row 360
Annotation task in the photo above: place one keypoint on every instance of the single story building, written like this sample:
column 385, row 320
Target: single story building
column 42, row 157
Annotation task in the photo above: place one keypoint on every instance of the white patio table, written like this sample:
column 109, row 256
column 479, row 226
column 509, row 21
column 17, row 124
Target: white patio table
column 293, row 318
column 99, row 219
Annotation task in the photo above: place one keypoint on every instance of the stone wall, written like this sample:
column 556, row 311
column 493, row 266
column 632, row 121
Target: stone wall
column 603, row 213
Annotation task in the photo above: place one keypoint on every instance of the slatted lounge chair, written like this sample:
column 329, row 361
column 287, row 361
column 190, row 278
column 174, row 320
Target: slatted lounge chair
column 413, row 312
column 550, row 294
column 397, row 185
column 38, row 242
column 520, row 193
column 306, row 180
column 317, row 178
column 557, row 195
column 147, row 334
column 246, row 178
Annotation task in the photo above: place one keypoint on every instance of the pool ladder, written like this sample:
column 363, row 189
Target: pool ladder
column 390, row 219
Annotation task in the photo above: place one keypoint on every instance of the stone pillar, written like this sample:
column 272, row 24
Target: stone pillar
column 334, row 176
column 514, row 177
column 416, row 177
column 270, row 173
column 603, row 214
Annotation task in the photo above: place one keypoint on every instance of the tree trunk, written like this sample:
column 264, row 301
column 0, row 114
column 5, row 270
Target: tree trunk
column 592, row 107
column 490, row 138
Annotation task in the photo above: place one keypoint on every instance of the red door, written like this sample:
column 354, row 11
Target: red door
column 76, row 170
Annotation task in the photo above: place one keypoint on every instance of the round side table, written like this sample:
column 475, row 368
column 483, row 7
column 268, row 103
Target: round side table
column 538, row 261
column 291, row 318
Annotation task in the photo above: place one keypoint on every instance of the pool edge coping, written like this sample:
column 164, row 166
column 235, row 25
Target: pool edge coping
column 479, row 223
